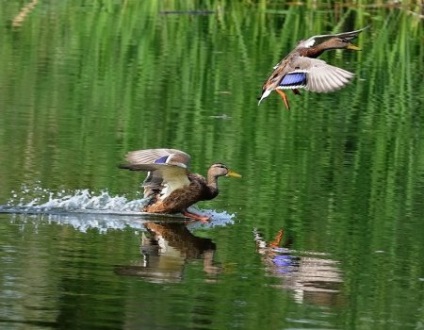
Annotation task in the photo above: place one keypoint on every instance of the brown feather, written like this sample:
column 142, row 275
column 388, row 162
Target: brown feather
column 300, row 68
column 170, row 186
column 180, row 199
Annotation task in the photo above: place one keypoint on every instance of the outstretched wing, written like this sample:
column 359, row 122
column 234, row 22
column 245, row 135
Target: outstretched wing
column 142, row 160
column 167, row 169
column 315, row 75
column 324, row 78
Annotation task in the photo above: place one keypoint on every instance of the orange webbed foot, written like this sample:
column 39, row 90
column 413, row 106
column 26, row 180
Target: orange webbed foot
column 196, row 217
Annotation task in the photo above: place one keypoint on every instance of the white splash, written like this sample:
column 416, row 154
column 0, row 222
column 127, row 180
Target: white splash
column 84, row 209
column 80, row 199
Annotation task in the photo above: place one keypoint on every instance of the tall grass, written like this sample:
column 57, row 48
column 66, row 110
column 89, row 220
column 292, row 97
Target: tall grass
column 129, row 76
column 83, row 82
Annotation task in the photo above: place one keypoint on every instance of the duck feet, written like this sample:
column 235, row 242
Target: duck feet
column 284, row 97
column 196, row 217
column 277, row 239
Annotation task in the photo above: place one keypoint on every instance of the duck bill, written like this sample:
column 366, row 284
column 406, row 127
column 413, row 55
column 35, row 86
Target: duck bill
column 233, row 174
column 353, row 47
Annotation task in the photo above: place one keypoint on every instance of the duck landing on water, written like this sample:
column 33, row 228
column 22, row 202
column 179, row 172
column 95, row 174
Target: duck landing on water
column 169, row 184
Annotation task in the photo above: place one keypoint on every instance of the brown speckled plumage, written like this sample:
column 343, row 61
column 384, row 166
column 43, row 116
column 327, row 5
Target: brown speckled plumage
column 300, row 68
column 169, row 184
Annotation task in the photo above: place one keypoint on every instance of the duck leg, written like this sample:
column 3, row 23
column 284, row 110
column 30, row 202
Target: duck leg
column 284, row 97
column 277, row 239
column 195, row 216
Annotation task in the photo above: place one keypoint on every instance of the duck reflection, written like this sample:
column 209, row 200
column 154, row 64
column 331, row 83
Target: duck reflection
column 311, row 277
column 165, row 248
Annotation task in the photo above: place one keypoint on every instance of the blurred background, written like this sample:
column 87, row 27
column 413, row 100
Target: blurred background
column 84, row 82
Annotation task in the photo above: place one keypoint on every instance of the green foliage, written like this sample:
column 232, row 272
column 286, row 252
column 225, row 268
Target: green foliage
column 83, row 82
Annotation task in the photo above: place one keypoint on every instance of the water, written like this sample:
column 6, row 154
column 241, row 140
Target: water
column 85, row 241
column 82, row 83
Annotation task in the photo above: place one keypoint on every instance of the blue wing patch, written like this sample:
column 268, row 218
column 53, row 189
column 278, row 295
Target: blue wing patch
column 293, row 79
column 161, row 160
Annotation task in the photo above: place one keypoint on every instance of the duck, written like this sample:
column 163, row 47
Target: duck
column 301, row 68
column 169, row 186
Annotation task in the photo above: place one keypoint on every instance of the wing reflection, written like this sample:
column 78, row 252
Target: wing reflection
column 310, row 276
column 165, row 249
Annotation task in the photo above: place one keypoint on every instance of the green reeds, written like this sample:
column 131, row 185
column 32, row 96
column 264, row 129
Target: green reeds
column 98, row 81
column 84, row 82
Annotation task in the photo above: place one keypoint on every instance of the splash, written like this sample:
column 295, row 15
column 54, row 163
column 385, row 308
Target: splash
column 80, row 199
column 84, row 209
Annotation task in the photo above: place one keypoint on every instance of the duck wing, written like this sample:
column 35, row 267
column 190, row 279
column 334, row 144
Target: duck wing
column 324, row 78
column 142, row 160
column 315, row 75
column 167, row 168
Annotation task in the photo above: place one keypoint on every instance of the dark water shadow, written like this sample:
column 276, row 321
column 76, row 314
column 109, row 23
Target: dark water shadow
column 166, row 248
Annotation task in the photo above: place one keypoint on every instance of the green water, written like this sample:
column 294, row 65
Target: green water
column 83, row 82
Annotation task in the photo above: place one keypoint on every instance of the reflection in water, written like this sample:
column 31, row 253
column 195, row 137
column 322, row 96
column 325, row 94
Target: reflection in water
column 166, row 249
column 311, row 277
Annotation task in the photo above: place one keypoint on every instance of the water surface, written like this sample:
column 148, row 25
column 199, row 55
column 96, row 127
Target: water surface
column 82, row 83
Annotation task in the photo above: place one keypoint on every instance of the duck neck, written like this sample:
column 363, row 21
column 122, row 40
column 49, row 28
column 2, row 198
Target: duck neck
column 318, row 49
column 323, row 46
column 314, row 51
column 213, row 184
